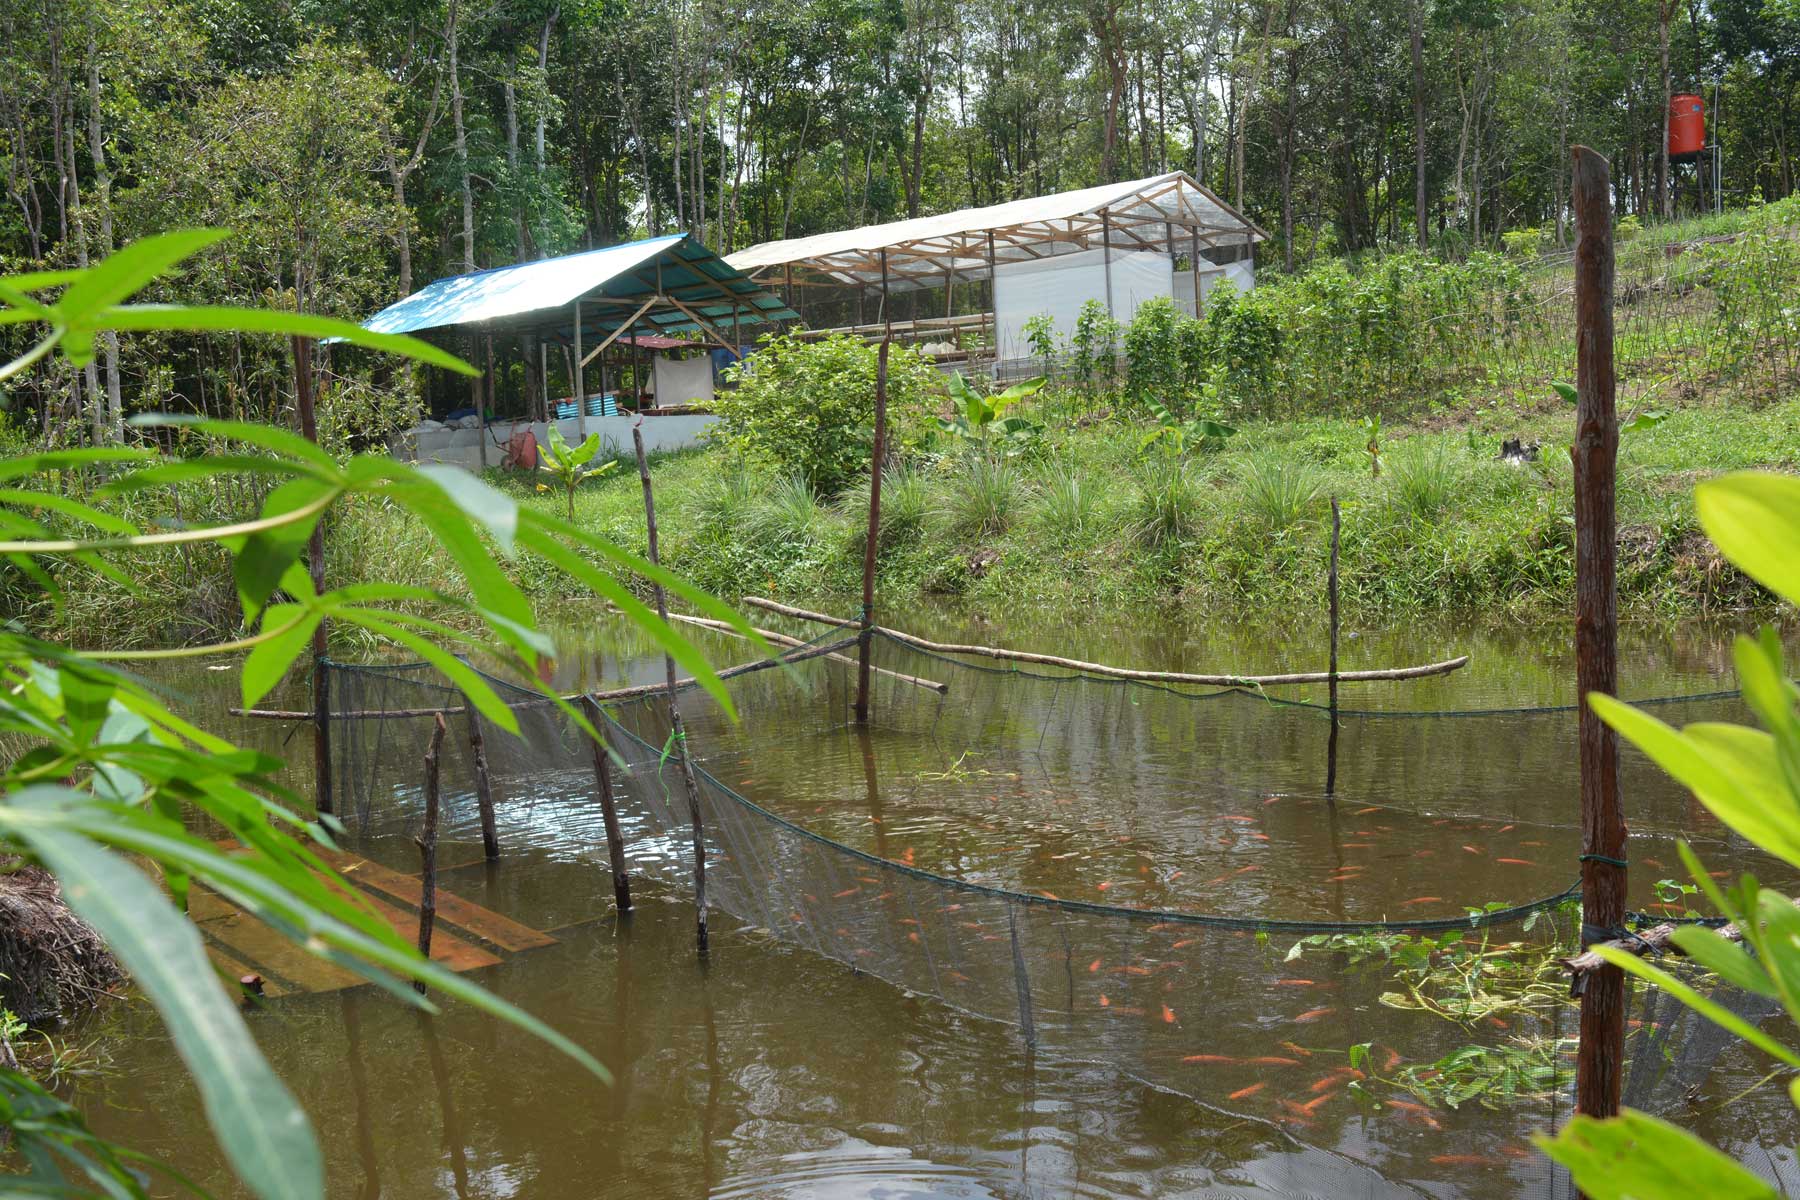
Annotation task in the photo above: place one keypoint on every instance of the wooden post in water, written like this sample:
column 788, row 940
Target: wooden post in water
column 427, row 843
column 675, row 729
column 609, row 812
column 484, row 787
column 315, row 553
column 1595, row 452
column 876, row 457
column 1331, row 591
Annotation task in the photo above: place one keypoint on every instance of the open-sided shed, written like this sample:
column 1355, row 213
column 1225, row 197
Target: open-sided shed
column 999, row 257
column 593, row 305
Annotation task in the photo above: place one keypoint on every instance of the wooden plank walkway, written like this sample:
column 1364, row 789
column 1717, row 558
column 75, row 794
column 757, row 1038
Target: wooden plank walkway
column 466, row 937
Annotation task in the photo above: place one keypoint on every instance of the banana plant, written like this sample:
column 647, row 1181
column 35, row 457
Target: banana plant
column 569, row 464
column 1195, row 433
column 980, row 420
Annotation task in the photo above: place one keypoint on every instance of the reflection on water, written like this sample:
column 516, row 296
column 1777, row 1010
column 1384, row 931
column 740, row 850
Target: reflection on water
column 772, row 1072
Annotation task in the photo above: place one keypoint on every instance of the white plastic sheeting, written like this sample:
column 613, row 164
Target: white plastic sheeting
column 1240, row 275
column 683, row 380
column 1060, row 286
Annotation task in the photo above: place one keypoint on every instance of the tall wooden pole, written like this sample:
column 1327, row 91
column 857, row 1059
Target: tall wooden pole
column 876, row 457
column 484, row 786
column 609, row 812
column 1331, row 591
column 315, row 553
column 487, row 403
column 676, row 732
column 577, row 373
column 1595, row 453
column 427, row 842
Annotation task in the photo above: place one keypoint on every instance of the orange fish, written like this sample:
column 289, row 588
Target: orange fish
column 1271, row 1060
column 849, row 891
column 1363, row 812
column 1313, row 1014
column 1422, row 900
column 1093, row 966
column 1209, row 1058
column 1299, row 1110
column 1359, row 846
column 1311, row 1105
column 1517, row 862
column 1328, row 1081
column 1295, row 983
column 1184, row 943
column 1470, row 849
column 1271, row 799
column 907, row 857
column 1104, row 1002
column 1504, row 829
column 1237, row 817
column 1392, row 1060
column 1168, row 1015
column 1407, row 1106
column 1302, row 1051
column 1050, row 896
column 1248, row 1091
column 1129, row 970
column 912, row 937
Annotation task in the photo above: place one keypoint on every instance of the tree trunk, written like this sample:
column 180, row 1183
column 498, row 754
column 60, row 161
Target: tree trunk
column 461, row 146
column 114, row 418
column 1665, row 199
column 1418, row 107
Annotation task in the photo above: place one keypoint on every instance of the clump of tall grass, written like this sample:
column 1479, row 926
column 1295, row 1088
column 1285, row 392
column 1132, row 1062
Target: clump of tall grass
column 984, row 497
column 723, row 499
column 1068, row 504
column 1277, row 491
column 1165, row 507
column 788, row 511
column 905, row 507
column 1424, row 477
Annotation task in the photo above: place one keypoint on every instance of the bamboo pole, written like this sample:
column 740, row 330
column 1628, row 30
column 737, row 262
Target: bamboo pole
column 484, row 788
column 876, row 455
column 1331, row 591
column 427, row 843
column 625, row 693
column 315, row 553
column 609, row 812
column 1419, row 672
column 782, row 639
column 1600, row 1059
column 676, row 732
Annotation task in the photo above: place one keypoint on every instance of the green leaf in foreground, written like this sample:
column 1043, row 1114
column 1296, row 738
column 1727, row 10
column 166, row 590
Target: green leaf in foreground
column 1637, row 1157
column 1754, row 517
column 261, row 1126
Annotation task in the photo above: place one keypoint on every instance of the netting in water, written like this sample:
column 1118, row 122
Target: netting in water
column 1151, row 879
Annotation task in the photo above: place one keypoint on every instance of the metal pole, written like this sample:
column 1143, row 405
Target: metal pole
column 315, row 553
column 1106, row 258
column 868, row 604
column 1603, row 876
column 487, row 402
column 1194, row 264
column 886, row 318
column 993, row 303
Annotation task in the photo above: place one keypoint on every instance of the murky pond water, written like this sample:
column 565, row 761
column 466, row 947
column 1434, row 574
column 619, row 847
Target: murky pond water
column 773, row 1071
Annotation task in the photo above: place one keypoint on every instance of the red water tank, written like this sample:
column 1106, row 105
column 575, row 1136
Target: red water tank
column 1687, row 127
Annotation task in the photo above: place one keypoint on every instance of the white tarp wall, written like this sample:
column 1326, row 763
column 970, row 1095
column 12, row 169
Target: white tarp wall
column 1061, row 284
column 683, row 381
column 1241, row 275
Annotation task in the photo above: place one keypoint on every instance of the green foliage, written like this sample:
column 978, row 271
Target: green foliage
column 1195, row 433
column 102, row 772
column 1165, row 507
column 984, row 497
column 568, row 465
column 979, row 421
column 1424, row 477
column 808, row 406
column 1040, row 337
column 1750, row 780
column 1094, row 348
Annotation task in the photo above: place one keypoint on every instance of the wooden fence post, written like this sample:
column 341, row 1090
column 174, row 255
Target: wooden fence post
column 877, row 455
column 1600, row 1060
column 484, row 787
column 609, row 813
column 676, row 732
column 1331, row 592
column 427, row 843
column 315, row 553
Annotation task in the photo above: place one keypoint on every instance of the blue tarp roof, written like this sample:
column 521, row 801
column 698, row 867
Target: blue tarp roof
column 612, row 283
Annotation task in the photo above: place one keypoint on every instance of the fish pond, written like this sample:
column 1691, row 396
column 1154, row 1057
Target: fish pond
column 1032, row 935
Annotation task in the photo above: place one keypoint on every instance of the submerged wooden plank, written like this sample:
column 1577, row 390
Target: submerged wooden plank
column 274, row 955
column 485, row 924
column 446, row 949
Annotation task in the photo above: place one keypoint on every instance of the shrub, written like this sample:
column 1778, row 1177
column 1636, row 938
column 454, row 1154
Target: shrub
column 1095, row 345
column 1066, row 504
column 905, row 507
column 788, row 512
column 808, row 407
column 1153, row 359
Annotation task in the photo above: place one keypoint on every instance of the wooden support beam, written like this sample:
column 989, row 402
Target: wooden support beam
column 629, row 323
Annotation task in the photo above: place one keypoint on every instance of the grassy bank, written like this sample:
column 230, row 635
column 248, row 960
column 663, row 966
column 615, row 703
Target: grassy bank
column 1088, row 511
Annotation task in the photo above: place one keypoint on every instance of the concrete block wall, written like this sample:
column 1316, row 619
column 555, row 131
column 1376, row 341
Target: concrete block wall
column 461, row 447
